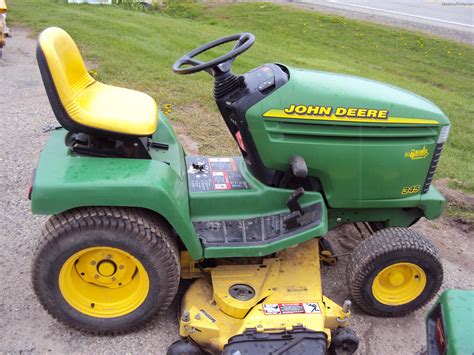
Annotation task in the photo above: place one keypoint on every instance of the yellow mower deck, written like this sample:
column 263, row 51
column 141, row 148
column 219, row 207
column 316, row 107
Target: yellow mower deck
column 287, row 293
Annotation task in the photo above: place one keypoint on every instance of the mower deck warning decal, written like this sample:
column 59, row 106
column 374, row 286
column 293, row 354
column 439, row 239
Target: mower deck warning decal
column 291, row 308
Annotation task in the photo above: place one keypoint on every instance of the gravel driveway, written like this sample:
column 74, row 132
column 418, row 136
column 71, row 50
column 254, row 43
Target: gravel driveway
column 26, row 327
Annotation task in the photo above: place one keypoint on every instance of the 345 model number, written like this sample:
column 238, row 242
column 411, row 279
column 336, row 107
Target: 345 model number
column 411, row 190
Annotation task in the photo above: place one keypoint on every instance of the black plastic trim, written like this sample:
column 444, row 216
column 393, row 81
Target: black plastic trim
column 255, row 231
column 433, row 166
column 234, row 106
column 297, row 341
column 434, row 347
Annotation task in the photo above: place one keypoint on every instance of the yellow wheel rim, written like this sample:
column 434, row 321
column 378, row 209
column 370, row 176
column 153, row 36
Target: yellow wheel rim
column 399, row 284
column 103, row 282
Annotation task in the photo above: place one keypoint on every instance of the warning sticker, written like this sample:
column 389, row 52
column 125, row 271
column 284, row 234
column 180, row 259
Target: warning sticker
column 215, row 174
column 221, row 180
column 291, row 308
column 311, row 307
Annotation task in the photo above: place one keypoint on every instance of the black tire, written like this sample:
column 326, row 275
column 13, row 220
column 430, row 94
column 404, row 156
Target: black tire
column 344, row 341
column 383, row 249
column 184, row 347
column 139, row 233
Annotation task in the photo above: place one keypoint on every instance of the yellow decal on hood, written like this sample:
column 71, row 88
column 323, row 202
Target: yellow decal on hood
column 338, row 111
column 341, row 114
column 415, row 154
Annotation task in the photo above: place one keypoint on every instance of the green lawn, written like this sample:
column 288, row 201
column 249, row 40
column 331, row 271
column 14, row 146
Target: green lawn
column 136, row 49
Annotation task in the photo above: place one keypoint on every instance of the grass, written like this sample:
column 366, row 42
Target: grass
column 136, row 49
column 461, row 213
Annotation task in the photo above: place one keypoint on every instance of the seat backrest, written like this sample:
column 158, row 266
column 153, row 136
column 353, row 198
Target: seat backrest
column 3, row 7
column 63, row 72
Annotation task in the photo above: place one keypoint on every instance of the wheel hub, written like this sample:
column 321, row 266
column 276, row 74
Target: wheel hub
column 399, row 284
column 106, row 268
column 396, row 278
column 103, row 282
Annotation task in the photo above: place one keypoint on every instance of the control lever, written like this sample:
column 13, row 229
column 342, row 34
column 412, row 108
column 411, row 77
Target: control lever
column 292, row 201
column 199, row 165
column 297, row 168
column 293, row 219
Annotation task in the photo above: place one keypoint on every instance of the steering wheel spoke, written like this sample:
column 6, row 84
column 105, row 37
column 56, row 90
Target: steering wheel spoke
column 239, row 43
column 192, row 61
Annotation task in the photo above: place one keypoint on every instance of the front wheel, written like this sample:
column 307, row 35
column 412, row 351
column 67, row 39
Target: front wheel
column 394, row 272
column 106, row 270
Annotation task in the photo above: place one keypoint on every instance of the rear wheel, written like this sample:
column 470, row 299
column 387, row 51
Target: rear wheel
column 106, row 270
column 394, row 272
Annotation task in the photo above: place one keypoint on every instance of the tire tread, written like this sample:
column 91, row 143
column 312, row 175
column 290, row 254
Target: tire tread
column 153, row 232
column 375, row 249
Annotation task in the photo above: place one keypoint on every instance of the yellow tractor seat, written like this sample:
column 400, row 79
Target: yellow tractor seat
column 83, row 105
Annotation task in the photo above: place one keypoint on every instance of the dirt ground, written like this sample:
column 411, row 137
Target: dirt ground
column 26, row 328
column 454, row 240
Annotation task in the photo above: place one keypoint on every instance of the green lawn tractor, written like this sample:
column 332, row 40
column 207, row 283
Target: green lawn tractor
column 132, row 214
column 450, row 324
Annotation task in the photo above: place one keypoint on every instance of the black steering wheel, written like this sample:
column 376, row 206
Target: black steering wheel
column 217, row 66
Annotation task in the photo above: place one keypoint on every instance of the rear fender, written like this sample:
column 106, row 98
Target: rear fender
column 64, row 180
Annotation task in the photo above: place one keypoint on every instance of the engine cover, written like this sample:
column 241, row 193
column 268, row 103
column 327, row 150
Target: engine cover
column 370, row 144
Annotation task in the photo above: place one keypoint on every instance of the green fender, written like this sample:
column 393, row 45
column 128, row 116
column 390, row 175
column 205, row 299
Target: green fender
column 64, row 181
column 450, row 325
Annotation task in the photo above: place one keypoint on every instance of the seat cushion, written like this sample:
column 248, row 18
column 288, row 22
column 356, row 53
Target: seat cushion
column 80, row 103
column 114, row 109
